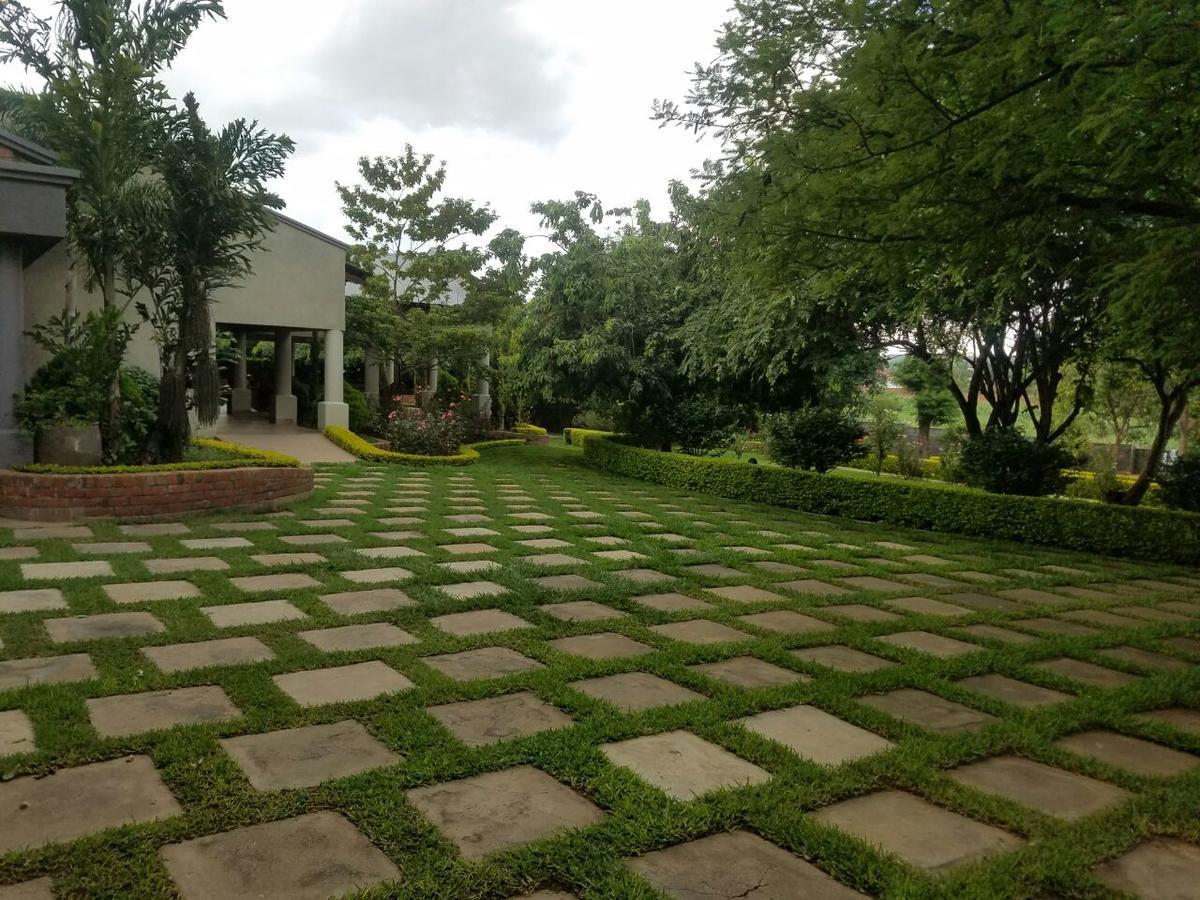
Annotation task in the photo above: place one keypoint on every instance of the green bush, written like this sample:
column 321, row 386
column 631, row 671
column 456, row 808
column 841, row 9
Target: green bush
column 1071, row 524
column 139, row 416
column 909, row 463
column 1179, row 482
column 703, row 426
column 1006, row 462
column 814, row 437
column 360, row 413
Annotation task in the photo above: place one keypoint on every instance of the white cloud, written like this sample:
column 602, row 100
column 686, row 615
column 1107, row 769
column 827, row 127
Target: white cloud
column 524, row 99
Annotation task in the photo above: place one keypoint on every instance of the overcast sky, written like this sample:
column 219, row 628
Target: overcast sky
column 524, row 99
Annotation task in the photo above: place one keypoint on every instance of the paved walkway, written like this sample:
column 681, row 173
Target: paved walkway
column 307, row 445
column 728, row 700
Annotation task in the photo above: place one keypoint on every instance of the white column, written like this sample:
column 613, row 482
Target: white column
column 332, row 410
column 283, row 407
column 483, row 393
column 431, row 385
column 371, row 377
column 388, row 374
column 240, row 400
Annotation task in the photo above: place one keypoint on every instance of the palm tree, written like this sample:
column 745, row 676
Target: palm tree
column 209, row 210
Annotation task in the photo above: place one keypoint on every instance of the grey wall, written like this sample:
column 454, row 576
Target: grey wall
column 298, row 281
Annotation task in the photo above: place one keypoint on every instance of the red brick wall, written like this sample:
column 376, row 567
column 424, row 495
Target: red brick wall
column 56, row 498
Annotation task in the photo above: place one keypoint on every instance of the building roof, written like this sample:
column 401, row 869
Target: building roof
column 27, row 150
column 308, row 229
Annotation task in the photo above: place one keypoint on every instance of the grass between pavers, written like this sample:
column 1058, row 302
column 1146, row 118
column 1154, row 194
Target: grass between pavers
column 216, row 797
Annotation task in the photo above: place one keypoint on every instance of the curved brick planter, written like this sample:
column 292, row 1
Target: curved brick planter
column 145, row 495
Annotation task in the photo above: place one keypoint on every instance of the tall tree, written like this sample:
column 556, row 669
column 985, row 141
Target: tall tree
column 414, row 240
column 1123, row 404
column 973, row 178
column 927, row 382
column 603, row 327
column 210, row 212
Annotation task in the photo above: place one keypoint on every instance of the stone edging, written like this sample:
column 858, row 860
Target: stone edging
column 148, row 495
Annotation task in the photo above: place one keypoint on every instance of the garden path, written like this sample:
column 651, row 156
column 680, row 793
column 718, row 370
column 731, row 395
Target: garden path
column 597, row 685
column 306, row 444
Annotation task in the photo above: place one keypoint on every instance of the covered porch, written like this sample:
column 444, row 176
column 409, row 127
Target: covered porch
column 282, row 406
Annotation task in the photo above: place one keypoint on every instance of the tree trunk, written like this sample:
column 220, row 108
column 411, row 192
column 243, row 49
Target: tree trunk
column 1173, row 405
column 923, row 426
column 110, row 419
column 174, row 429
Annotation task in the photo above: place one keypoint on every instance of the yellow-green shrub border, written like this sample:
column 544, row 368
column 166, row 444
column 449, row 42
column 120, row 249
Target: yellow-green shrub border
column 364, row 449
column 529, row 428
column 240, row 457
column 576, row 436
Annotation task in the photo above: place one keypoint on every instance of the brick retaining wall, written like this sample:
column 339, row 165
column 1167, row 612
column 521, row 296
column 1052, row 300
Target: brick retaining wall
column 59, row 498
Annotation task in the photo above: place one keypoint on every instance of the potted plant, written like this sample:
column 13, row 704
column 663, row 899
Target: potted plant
column 61, row 410
column 64, row 401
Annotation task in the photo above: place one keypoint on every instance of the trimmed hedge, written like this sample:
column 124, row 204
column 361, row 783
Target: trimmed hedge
column 932, row 468
column 239, row 458
column 577, row 436
column 497, row 442
column 364, row 449
column 1072, row 524
column 528, row 428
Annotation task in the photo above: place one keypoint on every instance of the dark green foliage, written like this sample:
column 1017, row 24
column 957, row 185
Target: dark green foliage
column 703, row 426
column 1072, row 524
column 61, row 392
column 1005, row 462
column 814, row 437
column 360, row 414
column 86, row 353
column 1180, row 482
column 139, row 412
column 602, row 333
column 987, row 185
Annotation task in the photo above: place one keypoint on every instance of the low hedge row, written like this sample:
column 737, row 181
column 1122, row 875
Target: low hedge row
column 239, row 457
column 529, row 428
column 364, row 449
column 576, row 436
column 1072, row 524
column 933, row 469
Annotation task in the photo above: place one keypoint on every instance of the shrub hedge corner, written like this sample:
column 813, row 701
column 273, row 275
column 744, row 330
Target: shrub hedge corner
column 576, row 436
column 238, row 457
column 364, row 449
column 1151, row 534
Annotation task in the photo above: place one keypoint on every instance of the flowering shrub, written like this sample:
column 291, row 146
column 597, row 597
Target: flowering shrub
column 427, row 432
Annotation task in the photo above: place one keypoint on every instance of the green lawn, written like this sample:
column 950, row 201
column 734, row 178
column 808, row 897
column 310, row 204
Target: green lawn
column 1056, row 860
